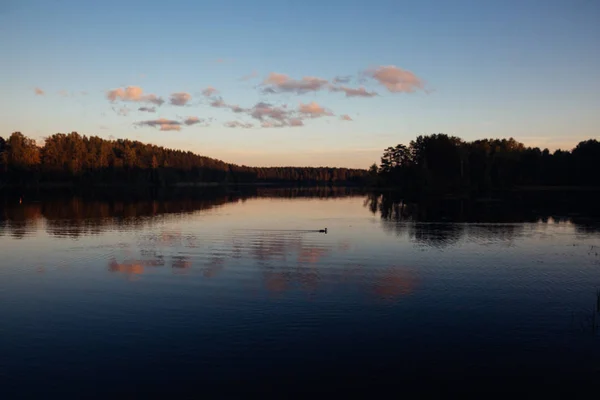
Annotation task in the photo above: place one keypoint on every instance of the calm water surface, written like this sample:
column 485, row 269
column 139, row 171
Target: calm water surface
column 224, row 295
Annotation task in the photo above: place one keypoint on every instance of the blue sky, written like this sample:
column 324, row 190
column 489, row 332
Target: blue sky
column 527, row 69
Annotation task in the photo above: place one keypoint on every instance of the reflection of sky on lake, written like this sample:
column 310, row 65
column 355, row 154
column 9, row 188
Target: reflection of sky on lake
column 220, row 285
column 274, row 240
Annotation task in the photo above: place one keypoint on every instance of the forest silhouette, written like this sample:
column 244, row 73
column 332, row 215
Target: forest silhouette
column 437, row 164
column 76, row 159
column 445, row 164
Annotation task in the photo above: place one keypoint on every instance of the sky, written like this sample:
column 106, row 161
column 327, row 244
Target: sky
column 308, row 83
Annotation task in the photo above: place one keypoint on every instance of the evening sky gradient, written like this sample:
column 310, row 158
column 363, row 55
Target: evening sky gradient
column 312, row 83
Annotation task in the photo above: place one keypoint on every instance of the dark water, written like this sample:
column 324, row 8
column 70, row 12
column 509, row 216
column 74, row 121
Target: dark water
column 230, row 295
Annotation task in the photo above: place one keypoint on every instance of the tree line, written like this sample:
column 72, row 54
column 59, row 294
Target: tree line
column 74, row 158
column 441, row 163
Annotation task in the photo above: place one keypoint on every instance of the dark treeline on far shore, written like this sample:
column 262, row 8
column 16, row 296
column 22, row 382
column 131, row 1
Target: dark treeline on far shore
column 433, row 164
column 446, row 164
column 76, row 159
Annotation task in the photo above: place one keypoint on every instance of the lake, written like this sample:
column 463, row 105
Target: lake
column 228, row 294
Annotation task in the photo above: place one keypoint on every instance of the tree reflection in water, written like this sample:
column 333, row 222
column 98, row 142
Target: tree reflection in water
column 441, row 222
column 285, row 261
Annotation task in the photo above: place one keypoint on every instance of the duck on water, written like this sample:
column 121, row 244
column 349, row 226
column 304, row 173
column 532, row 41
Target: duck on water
column 324, row 230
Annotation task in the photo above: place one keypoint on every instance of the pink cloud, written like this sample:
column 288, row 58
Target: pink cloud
column 395, row 79
column 170, row 127
column 313, row 109
column 133, row 93
column 180, row 99
column 162, row 123
column 345, row 117
column 209, row 91
column 218, row 103
column 353, row 92
column 238, row 124
column 277, row 79
column 273, row 116
column 265, row 110
column 38, row 91
column 275, row 124
column 236, row 109
column 192, row 121
column 276, row 83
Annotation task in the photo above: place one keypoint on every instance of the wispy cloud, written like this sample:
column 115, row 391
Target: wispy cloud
column 209, row 91
column 342, row 79
column 220, row 103
column 313, row 109
column 262, row 110
column 251, row 75
column 63, row 93
column 279, row 83
column 236, row 109
column 173, row 125
column 38, row 91
column 192, row 121
column 353, row 92
column 345, row 117
column 180, row 99
column 396, row 80
column 147, row 109
column 238, row 124
column 122, row 111
column 162, row 123
column 294, row 122
column 134, row 94
column 272, row 116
